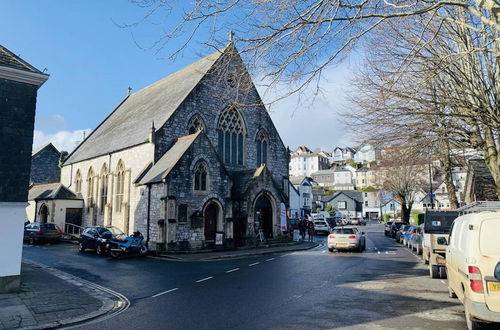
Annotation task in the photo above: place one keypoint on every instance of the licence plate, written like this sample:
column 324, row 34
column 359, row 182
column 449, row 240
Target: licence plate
column 494, row 286
column 342, row 244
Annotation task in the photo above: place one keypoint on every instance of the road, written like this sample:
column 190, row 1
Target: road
column 386, row 287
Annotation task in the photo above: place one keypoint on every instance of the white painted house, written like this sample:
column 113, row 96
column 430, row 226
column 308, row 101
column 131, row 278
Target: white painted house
column 304, row 162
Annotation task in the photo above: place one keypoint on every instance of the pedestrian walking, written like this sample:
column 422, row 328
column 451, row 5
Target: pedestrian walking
column 302, row 228
column 310, row 229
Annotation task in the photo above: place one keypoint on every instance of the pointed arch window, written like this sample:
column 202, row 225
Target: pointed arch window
column 90, row 188
column 78, row 182
column 120, row 186
column 262, row 143
column 200, row 177
column 104, row 187
column 195, row 124
column 231, row 132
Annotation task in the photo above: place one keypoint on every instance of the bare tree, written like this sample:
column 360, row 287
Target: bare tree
column 291, row 42
column 434, row 83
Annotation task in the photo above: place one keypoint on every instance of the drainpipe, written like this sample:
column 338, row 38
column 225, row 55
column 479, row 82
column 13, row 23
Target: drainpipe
column 148, row 216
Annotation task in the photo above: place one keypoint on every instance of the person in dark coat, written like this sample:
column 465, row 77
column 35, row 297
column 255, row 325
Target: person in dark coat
column 310, row 230
column 302, row 228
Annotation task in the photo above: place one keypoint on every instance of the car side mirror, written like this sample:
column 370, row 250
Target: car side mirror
column 362, row 233
column 497, row 271
column 442, row 241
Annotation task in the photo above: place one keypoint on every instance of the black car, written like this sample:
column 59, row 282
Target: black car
column 387, row 228
column 96, row 237
column 42, row 232
column 394, row 229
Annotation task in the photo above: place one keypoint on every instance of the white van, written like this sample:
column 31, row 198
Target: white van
column 473, row 266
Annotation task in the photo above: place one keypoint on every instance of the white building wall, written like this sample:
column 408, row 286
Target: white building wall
column 135, row 159
column 12, row 217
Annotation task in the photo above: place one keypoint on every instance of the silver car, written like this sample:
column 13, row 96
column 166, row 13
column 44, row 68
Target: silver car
column 346, row 238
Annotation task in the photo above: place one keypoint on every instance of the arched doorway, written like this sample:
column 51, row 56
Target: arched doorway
column 210, row 216
column 44, row 213
column 264, row 215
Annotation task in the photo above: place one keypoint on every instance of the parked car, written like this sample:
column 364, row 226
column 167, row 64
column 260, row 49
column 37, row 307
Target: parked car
column 406, row 237
column 401, row 232
column 394, row 228
column 37, row 232
column 354, row 221
column 417, row 240
column 473, row 266
column 387, row 228
column 321, row 226
column 346, row 238
column 96, row 238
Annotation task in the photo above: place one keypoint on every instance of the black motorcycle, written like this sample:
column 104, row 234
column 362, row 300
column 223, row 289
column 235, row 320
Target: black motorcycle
column 133, row 244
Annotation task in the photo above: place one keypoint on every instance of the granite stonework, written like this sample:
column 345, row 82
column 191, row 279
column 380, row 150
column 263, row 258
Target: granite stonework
column 153, row 207
column 45, row 165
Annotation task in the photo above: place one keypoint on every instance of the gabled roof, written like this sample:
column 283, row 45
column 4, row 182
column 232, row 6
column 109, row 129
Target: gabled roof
column 9, row 59
column 39, row 149
column 167, row 162
column 480, row 185
column 130, row 123
column 51, row 191
column 245, row 179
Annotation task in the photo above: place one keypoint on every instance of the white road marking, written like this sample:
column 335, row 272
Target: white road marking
column 323, row 251
column 232, row 270
column 164, row 292
column 378, row 252
column 205, row 279
column 283, row 255
column 443, row 282
column 270, row 259
column 255, row 263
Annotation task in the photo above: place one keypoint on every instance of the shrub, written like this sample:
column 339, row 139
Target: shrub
column 387, row 217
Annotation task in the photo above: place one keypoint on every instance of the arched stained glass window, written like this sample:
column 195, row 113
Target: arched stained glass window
column 104, row 187
column 90, row 188
column 78, row 182
column 195, row 124
column 200, row 176
column 231, row 132
column 120, row 186
column 262, row 143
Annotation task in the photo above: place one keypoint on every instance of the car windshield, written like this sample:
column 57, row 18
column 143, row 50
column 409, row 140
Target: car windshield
column 405, row 228
column 397, row 224
column 389, row 223
column 345, row 231
column 439, row 222
column 115, row 231
column 48, row 226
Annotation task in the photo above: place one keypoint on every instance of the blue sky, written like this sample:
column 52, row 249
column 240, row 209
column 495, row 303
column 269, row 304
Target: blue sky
column 92, row 61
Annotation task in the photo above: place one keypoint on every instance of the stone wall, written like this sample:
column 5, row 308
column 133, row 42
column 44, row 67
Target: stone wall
column 17, row 115
column 45, row 166
column 213, row 95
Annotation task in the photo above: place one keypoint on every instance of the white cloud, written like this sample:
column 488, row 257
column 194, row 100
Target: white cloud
column 314, row 120
column 62, row 140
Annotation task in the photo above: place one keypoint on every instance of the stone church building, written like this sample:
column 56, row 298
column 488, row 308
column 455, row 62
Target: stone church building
column 188, row 160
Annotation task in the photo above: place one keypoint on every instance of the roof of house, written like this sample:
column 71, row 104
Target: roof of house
column 9, row 59
column 39, row 149
column 167, row 162
column 51, row 191
column 131, row 122
column 355, row 195
column 323, row 172
column 483, row 185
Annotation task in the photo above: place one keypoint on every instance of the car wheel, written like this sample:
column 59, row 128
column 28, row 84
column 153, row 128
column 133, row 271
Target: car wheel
column 330, row 249
column 143, row 250
column 433, row 271
column 99, row 250
column 81, row 248
column 114, row 254
column 442, row 272
column 451, row 293
column 471, row 324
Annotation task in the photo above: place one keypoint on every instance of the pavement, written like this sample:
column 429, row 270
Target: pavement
column 239, row 253
column 49, row 298
column 385, row 287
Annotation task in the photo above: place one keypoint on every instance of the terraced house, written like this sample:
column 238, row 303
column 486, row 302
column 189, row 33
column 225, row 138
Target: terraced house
column 188, row 159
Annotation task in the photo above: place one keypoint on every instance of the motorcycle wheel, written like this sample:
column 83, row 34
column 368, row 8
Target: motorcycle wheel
column 143, row 250
column 114, row 254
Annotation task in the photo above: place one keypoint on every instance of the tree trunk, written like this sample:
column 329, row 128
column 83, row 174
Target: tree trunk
column 448, row 178
column 405, row 212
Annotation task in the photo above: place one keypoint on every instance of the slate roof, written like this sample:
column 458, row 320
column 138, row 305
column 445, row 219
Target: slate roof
column 355, row 195
column 9, row 59
column 167, row 162
column 51, row 191
column 480, row 185
column 322, row 172
column 130, row 123
column 48, row 145
column 244, row 179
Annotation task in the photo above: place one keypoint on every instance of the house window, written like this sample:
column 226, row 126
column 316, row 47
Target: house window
column 366, row 194
column 366, row 203
column 90, row 188
column 196, row 124
column 78, row 182
column 342, row 205
column 120, row 186
column 231, row 131
column 200, row 176
column 262, row 143
column 104, row 187
column 182, row 213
